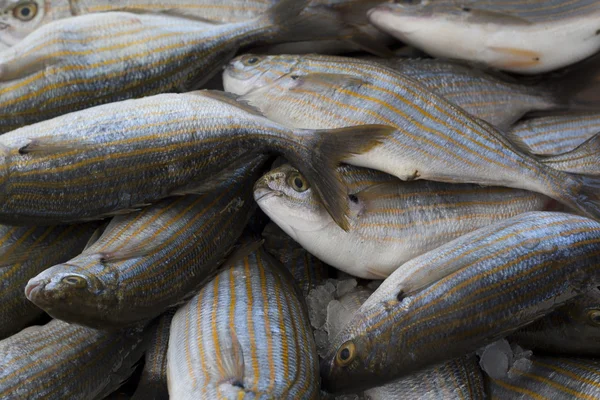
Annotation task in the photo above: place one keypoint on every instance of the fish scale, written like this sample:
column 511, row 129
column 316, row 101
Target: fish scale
column 466, row 294
column 244, row 335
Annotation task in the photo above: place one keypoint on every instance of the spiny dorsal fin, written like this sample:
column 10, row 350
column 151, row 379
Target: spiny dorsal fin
column 231, row 99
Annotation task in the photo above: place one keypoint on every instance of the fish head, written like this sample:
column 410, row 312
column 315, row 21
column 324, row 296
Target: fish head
column 286, row 196
column 18, row 18
column 585, row 311
column 250, row 72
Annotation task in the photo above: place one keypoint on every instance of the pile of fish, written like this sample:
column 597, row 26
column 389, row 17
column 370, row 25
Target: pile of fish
column 296, row 199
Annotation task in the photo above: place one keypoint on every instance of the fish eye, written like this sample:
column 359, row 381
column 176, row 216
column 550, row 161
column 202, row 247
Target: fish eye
column 251, row 61
column 345, row 354
column 594, row 317
column 25, row 11
column 75, row 281
column 408, row 2
column 298, row 183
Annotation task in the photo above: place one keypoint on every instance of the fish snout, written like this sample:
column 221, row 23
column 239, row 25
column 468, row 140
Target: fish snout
column 33, row 287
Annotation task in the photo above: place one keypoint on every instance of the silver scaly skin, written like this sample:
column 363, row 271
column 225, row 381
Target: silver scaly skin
column 463, row 295
column 147, row 262
column 245, row 335
column 63, row 361
column 434, row 139
column 24, row 253
column 390, row 223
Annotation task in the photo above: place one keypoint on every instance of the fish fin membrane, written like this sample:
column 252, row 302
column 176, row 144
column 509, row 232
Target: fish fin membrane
column 587, row 198
column 584, row 159
column 20, row 67
column 232, row 99
column 228, row 363
column 322, row 151
column 577, row 86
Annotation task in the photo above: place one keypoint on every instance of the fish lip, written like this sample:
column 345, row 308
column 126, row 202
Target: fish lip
column 31, row 288
column 263, row 194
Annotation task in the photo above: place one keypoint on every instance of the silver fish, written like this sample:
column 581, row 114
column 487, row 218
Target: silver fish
column 244, row 335
column 434, row 139
column 390, row 223
column 512, row 35
column 64, row 361
column 464, row 295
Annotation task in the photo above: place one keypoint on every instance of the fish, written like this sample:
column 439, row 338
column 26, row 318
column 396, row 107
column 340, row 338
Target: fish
column 25, row 252
column 84, row 61
column 526, row 37
column 391, row 223
column 549, row 378
column 556, row 134
column 120, row 157
column 246, row 334
column 464, row 295
column 153, row 382
column 584, row 159
column 64, row 361
column 434, row 139
column 147, row 262
column 307, row 270
column 571, row 330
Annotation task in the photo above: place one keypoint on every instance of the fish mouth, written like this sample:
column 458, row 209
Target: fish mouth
column 32, row 288
column 263, row 194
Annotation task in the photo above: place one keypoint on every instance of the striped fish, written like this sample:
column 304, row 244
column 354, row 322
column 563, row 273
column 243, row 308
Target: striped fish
column 434, row 139
column 80, row 62
column 463, row 295
column 573, row 329
column 118, row 157
column 390, row 223
column 526, row 36
column 24, row 253
column 64, row 361
column 549, row 378
column 147, row 262
column 244, row 335
column 153, row 382
column 584, row 159
column 307, row 270
column 556, row 134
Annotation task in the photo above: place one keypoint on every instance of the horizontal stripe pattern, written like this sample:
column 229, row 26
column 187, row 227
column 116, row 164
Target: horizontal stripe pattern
column 244, row 335
column 505, row 276
column 64, row 361
column 182, row 242
column 32, row 250
column 549, row 378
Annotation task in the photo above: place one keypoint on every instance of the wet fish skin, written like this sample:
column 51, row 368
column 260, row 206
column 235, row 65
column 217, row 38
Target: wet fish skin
column 514, row 36
column 121, row 156
column 434, row 140
column 391, row 223
column 60, row 360
column 145, row 263
column 255, row 335
column 25, row 252
column 80, row 62
column 549, row 378
column 463, row 295
column 584, row 159
column 571, row 330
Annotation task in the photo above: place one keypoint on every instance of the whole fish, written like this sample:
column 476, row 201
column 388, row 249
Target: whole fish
column 63, row 361
column 153, row 382
column 24, row 253
column 84, row 61
column 118, row 157
column 434, row 139
column 527, row 37
column 463, row 295
column 390, row 223
column 307, row 270
column 148, row 262
column 573, row 329
column 556, row 134
column 244, row 335
column 549, row 378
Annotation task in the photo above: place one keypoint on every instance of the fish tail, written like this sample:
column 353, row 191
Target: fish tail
column 578, row 86
column 582, row 194
column 584, row 159
column 322, row 152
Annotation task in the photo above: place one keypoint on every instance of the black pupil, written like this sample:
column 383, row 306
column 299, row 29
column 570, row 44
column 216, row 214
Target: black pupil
column 25, row 11
column 596, row 317
column 345, row 354
column 72, row 280
column 252, row 60
column 298, row 183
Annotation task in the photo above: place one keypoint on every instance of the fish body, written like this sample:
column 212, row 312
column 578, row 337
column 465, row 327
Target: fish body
column 118, row 157
column 463, row 295
column 64, row 361
column 246, row 335
column 148, row 262
column 434, row 139
column 552, row 378
column 391, row 223
column 571, row 330
column 25, row 252
column 525, row 37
